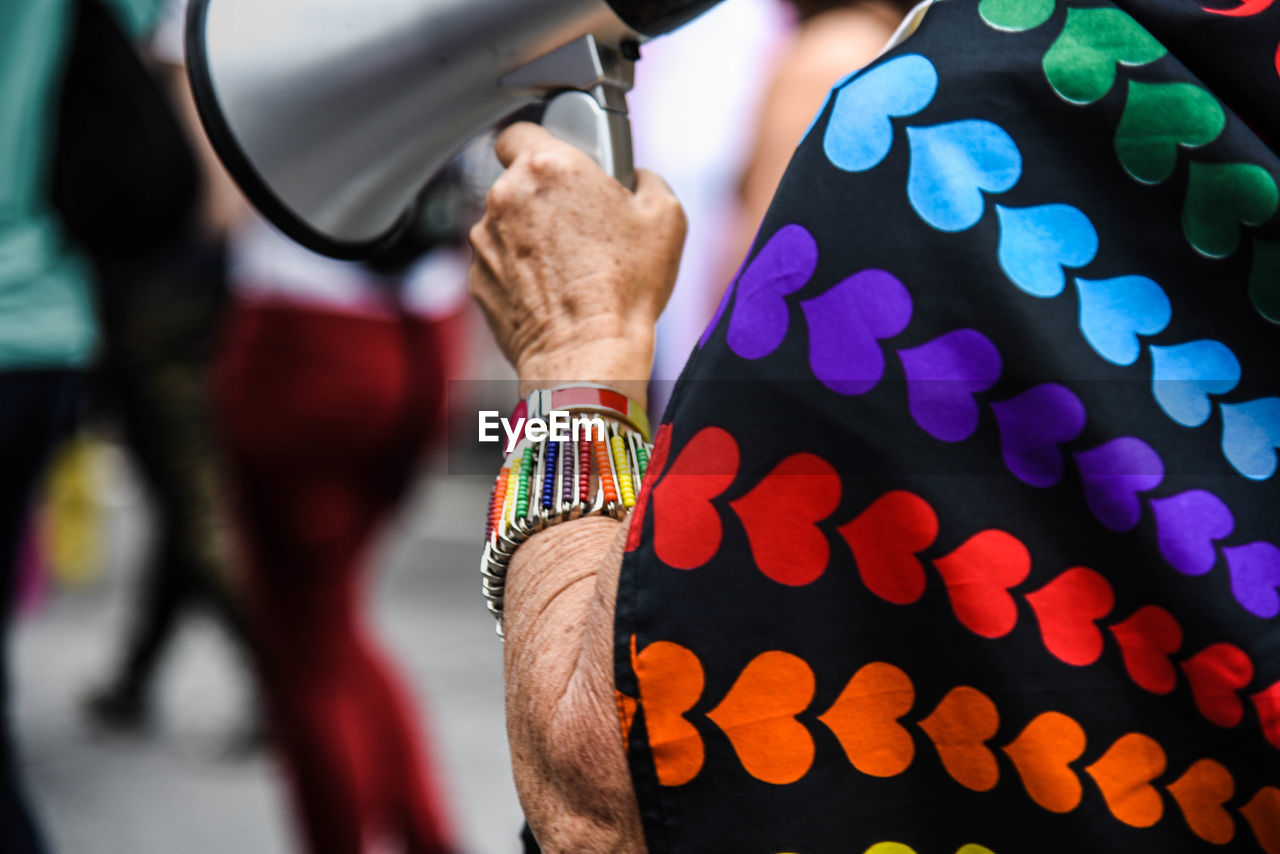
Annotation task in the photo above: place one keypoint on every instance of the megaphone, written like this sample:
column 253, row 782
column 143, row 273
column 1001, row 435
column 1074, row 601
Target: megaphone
column 332, row 115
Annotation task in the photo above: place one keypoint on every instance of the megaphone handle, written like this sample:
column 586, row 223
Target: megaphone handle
column 577, row 118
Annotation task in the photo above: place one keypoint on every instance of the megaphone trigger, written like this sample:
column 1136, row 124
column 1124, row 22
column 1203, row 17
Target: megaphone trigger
column 590, row 110
column 605, row 135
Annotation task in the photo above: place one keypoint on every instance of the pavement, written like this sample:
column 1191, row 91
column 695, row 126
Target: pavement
column 178, row 788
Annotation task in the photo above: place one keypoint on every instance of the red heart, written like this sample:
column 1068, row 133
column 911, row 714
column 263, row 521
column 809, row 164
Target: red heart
column 1216, row 673
column 780, row 515
column 1267, row 702
column 1147, row 639
column 686, row 526
column 979, row 575
column 1067, row 609
column 658, row 460
column 885, row 538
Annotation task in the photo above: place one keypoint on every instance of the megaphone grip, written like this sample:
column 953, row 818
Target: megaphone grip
column 577, row 118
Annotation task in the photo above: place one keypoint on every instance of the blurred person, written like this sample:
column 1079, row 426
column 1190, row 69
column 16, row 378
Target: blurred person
column 925, row 559
column 329, row 387
column 47, row 328
column 159, row 317
column 829, row 39
column 160, row 307
column 717, row 108
column 48, row 71
column 696, row 92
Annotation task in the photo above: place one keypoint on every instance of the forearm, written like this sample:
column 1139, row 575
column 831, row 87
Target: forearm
column 572, row 271
column 562, row 722
column 566, row 745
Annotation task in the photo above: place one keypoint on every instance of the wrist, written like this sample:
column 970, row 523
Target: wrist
column 622, row 364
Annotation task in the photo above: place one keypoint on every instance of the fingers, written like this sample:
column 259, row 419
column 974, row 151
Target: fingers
column 537, row 143
column 517, row 139
column 534, row 161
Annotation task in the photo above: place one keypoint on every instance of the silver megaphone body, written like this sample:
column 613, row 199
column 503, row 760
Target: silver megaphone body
column 332, row 115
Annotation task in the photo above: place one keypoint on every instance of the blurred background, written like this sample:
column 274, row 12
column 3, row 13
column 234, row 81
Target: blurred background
column 243, row 599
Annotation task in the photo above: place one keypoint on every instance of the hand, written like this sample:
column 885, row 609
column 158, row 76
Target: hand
column 571, row 268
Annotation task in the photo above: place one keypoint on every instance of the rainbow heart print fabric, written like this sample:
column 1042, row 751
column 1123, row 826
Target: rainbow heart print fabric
column 962, row 531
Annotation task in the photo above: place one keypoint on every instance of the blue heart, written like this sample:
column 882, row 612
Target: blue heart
column 952, row 164
column 1250, row 436
column 1114, row 312
column 1186, row 374
column 859, row 133
column 1036, row 243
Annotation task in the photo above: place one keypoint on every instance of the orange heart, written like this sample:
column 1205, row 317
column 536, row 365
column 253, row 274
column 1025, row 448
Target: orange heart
column 959, row 728
column 1042, row 753
column 759, row 717
column 865, row 716
column 1263, row 815
column 1200, row 793
column 1124, row 775
column 671, row 682
column 626, row 716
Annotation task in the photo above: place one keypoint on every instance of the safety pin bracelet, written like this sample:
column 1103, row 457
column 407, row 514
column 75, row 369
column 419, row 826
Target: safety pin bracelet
column 550, row 481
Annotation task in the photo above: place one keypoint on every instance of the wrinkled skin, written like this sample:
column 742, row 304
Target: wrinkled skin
column 572, row 271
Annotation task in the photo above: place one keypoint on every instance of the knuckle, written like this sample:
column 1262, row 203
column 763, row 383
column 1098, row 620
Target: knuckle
column 500, row 198
column 545, row 163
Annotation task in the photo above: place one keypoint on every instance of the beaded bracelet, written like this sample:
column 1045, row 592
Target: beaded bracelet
column 542, row 483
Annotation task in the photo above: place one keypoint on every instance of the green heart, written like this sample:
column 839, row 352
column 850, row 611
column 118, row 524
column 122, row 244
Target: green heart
column 1081, row 63
column 1264, row 279
column 1220, row 198
column 1015, row 15
column 1158, row 117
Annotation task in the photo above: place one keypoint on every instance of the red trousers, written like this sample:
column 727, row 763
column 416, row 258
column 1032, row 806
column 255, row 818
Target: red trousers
column 322, row 417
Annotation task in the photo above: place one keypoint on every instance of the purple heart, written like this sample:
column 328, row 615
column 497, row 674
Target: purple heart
column 845, row 325
column 1255, row 577
column 1033, row 425
column 1114, row 474
column 943, row 375
column 760, row 316
column 1186, row 526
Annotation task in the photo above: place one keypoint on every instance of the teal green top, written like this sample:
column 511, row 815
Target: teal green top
column 46, row 313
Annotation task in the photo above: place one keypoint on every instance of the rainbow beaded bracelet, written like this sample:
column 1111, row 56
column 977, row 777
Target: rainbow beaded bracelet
column 597, row 470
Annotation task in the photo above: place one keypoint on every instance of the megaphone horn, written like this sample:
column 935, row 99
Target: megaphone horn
column 332, row 115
